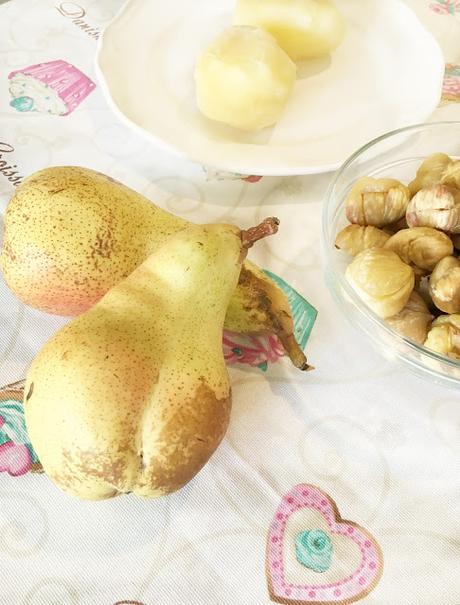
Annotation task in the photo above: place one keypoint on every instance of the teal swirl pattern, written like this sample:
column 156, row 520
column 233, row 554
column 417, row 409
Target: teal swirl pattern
column 313, row 549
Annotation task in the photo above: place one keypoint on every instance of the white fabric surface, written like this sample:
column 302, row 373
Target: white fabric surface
column 384, row 444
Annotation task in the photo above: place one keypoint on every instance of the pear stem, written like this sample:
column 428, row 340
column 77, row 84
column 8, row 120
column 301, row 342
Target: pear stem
column 269, row 226
column 295, row 353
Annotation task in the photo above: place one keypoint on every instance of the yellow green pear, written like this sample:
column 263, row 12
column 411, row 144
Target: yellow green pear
column 133, row 395
column 72, row 233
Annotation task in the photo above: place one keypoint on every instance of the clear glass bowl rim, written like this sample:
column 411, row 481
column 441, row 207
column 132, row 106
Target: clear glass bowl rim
column 328, row 250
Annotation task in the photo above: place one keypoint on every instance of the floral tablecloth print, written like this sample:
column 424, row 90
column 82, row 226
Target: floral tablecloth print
column 361, row 456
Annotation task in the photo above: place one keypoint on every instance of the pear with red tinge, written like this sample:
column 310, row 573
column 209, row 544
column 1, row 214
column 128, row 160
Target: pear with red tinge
column 134, row 395
column 72, row 233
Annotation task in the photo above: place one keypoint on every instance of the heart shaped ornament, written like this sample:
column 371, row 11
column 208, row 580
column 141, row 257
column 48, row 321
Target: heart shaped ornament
column 316, row 557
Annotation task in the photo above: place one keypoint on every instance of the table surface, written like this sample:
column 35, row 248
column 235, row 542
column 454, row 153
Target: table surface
column 381, row 443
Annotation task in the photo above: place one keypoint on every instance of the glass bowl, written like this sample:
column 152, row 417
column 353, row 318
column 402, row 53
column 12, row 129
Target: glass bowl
column 397, row 155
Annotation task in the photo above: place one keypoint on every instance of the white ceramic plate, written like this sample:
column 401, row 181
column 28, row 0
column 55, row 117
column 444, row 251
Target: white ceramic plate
column 386, row 74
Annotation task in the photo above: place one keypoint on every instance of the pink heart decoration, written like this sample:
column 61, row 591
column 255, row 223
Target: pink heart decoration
column 14, row 459
column 351, row 587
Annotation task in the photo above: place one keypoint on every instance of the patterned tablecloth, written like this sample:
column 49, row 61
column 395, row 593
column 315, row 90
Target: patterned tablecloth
column 359, row 432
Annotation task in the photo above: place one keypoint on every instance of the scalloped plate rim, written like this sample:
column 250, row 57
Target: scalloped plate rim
column 256, row 168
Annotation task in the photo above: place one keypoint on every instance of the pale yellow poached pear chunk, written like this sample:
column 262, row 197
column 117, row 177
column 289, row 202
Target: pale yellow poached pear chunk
column 305, row 29
column 134, row 395
column 244, row 79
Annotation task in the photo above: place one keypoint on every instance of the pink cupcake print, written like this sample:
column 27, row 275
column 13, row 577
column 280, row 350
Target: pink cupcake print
column 15, row 459
column 446, row 7
column 56, row 87
column 17, row 456
column 451, row 85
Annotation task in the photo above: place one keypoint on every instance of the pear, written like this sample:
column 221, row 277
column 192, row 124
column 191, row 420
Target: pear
column 133, row 395
column 72, row 233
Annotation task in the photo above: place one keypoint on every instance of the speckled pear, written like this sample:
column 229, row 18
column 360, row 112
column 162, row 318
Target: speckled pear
column 133, row 395
column 72, row 233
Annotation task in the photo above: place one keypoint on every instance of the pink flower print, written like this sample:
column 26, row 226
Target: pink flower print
column 446, row 7
column 255, row 351
column 451, row 84
column 15, row 459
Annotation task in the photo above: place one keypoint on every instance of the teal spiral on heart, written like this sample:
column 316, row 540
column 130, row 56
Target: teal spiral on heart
column 313, row 549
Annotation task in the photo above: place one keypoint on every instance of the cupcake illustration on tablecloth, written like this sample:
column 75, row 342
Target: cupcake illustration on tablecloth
column 17, row 456
column 445, row 7
column 56, row 87
column 451, row 86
